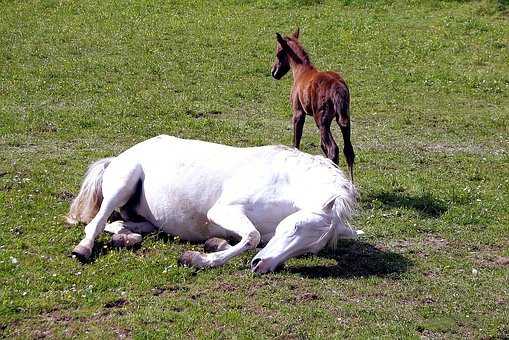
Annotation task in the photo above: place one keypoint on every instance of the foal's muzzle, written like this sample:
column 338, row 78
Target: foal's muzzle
column 275, row 73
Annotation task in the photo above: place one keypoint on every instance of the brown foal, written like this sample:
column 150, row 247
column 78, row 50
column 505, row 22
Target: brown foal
column 323, row 95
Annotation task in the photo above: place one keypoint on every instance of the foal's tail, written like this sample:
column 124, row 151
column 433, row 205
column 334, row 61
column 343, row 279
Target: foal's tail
column 341, row 103
column 342, row 210
column 86, row 205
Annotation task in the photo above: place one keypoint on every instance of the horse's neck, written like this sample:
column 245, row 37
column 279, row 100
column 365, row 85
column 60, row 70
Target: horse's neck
column 298, row 70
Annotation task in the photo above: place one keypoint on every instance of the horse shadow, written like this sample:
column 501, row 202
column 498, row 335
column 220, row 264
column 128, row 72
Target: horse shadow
column 356, row 259
column 424, row 204
column 353, row 259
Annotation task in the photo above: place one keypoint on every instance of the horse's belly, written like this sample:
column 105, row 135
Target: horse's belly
column 178, row 205
column 188, row 220
column 190, row 223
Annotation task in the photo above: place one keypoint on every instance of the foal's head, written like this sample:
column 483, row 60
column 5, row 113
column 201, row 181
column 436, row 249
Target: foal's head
column 283, row 54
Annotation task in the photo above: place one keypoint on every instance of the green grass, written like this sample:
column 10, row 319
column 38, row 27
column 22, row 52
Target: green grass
column 429, row 80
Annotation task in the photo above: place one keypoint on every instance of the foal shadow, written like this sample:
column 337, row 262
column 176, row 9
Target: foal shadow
column 356, row 259
column 425, row 204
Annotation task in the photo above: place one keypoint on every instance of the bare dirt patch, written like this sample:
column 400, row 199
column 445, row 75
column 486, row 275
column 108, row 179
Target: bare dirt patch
column 489, row 259
column 307, row 297
column 45, row 325
column 502, row 261
column 226, row 287
column 156, row 291
column 116, row 303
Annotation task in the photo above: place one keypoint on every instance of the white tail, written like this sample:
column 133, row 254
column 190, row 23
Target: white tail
column 86, row 205
column 342, row 210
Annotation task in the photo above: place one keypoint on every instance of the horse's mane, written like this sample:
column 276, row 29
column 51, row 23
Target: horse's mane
column 297, row 48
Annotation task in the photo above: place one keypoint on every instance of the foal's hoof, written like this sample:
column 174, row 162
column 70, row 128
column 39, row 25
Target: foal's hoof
column 126, row 240
column 215, row 244
column 189, row 258
column 82, row 253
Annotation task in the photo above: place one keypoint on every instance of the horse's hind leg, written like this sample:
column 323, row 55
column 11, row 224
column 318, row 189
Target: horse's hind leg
column 233, row 220
column 216, row 244
column 127, row 234
column 118, row 185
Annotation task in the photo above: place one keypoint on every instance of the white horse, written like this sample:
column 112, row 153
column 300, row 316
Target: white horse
column 293, row 202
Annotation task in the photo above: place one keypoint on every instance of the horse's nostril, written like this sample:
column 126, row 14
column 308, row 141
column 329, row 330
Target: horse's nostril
column 273, row 72
column 255, row 262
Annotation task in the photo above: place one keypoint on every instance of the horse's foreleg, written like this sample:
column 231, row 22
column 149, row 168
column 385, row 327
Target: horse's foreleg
column 233, row 220
column 299, row 117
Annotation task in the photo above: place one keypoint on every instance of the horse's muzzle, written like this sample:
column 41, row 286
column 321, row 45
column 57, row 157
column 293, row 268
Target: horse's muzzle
column 260, row 266
column 255, row 265
column 274, row 72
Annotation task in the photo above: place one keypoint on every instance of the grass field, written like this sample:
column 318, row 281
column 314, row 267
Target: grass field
column 81, row 80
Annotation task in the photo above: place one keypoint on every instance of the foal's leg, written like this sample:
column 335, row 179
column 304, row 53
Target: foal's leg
column 299, row 117
column 344, row 125
column 117, row 189
column 327, row 142
column 232, row 219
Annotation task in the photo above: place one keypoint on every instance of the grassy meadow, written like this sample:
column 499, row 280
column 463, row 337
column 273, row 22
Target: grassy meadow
column 429, row 80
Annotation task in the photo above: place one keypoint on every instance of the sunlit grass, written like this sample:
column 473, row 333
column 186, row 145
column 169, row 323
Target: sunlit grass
column 429, row 83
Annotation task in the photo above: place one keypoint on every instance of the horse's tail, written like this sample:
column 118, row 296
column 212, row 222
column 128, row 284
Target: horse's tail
column 342, row 210
column 86, row 205
column 341, row 104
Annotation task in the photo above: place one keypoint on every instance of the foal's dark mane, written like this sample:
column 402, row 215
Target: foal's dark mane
column 299, row 51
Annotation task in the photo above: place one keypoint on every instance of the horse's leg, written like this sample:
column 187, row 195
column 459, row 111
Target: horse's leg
column 233, row 220
column 127, row 233
column 216, row 244
column 117, row 189
column 344, row 125
column 299, row 117
column 328, row 143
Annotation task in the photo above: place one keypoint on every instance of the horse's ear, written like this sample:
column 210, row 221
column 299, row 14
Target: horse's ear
column 280, row 39
column 296, row 33
column 287, row 48
column 282, row 42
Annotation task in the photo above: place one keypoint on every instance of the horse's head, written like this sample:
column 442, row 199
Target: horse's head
column 300, row 233
column 282, row 64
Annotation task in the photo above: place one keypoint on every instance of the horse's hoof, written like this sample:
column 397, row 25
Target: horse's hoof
column 126, row 240
column 82, row 253
column 215, row 244
column 189, row 258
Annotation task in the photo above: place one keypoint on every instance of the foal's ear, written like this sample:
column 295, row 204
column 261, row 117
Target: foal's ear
column 282, row 42
column 296, row 33
column 280, row 39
